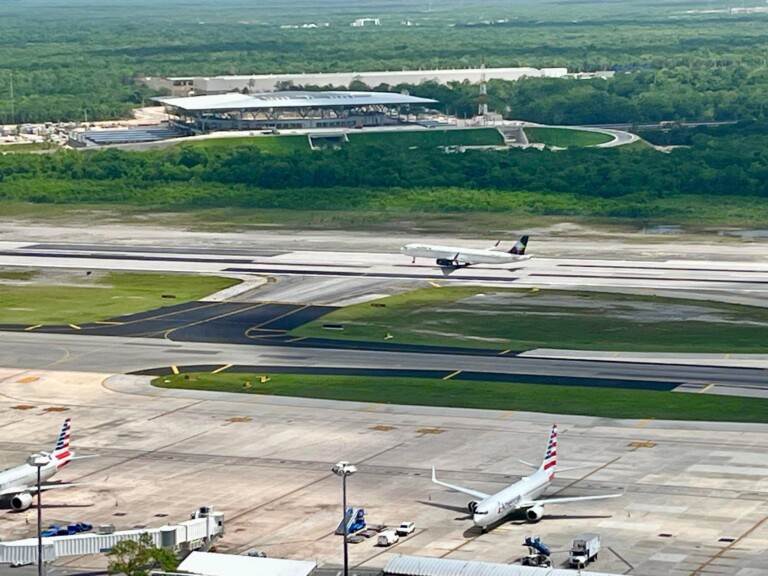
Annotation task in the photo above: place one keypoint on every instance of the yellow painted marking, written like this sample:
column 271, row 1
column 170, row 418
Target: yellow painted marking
column 75, row 327
column 504, row 352
column 108, row 323
column 727, row 356
column 451, row 375
column 222, row 368
column 175, row 369
column 33, row 327
column 706, row 388
column 435, row 284
column 371, row 409
column 505, row 415
column 299, row 339
column 643, row 423
column 28, row 379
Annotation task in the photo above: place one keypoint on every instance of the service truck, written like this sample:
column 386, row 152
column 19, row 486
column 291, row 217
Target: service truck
column 584, row 549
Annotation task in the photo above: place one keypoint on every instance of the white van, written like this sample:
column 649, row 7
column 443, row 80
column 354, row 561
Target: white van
column 387, row 538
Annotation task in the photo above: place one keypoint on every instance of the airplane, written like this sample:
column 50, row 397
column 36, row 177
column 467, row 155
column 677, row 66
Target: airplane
column 18, row 484
column 522, row 495
column 454, row 257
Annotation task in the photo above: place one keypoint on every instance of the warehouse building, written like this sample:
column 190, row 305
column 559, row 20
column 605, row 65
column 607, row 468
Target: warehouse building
column 202, row 85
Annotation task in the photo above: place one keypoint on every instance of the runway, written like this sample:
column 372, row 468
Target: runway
column 326, row 274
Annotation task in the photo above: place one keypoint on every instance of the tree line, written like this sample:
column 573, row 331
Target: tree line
column 723, row 161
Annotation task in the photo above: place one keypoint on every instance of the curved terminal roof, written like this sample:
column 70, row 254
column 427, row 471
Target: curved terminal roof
column 290, row 99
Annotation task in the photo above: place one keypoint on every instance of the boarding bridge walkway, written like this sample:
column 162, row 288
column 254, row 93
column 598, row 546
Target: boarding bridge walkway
column 196, row 533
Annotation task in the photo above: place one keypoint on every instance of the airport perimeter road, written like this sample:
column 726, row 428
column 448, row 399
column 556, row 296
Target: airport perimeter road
column 122, row 355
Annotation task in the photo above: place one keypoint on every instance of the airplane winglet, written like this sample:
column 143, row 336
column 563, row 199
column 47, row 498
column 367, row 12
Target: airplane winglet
column 434, row 475
column 528, row 464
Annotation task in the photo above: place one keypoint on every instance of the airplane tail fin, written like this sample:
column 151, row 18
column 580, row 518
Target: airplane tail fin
column 549, row 464
column 519, row 247
column 61, row 452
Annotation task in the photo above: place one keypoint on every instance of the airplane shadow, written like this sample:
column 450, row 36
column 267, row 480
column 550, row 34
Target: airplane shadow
column 518, row 519
column 460, row 509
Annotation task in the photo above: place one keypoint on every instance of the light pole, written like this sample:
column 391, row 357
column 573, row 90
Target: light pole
column 39, row 461
column 344, row 469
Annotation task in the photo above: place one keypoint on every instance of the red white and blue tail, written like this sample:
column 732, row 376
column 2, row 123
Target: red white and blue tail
column 549, row 465
column 61, row 453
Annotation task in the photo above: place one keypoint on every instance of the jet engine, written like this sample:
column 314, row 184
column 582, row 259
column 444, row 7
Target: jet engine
column 472, row 506
column 534, row 513
column 21, row 501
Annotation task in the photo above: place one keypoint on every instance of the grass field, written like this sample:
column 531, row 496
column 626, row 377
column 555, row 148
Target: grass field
column 272, row 144
column 601, row 402
column 565, row 138
column 429, row 138
column 27, row 147
column 523, row 319
column 76, row 299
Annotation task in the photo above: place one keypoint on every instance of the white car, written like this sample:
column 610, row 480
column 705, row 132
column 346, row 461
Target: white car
column 405, row 528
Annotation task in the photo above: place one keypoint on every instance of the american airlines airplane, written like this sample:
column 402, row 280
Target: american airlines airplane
column 18, row 484
column 523, row 494
column 455, row 257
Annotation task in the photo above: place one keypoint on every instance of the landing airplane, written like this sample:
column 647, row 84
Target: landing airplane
column 454, row 257
column 522, row 495
column 18, row 484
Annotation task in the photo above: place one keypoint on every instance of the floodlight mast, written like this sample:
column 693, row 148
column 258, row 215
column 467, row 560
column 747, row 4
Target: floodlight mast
column 344, row 469
column 39, row 461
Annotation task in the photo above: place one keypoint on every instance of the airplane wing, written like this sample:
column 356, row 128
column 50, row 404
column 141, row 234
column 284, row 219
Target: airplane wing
column 461, row 489
column 13, row 490
column 530, row 503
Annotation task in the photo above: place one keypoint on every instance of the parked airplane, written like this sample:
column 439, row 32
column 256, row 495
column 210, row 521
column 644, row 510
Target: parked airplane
column 455, row 257
column 523, row 494
column 18, row 484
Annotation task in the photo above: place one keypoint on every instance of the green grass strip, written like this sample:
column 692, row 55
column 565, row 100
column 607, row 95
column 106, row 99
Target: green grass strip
column 600, row 402
column 84, row 299
column 565, row 137
column 499, row 318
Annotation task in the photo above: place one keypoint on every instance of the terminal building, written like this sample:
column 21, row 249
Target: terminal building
column 202, row 85
column 289, row 110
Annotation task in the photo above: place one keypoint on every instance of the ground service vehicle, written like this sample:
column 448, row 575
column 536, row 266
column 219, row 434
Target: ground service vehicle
column 405, row 528
column 387, row 538
column 538, row 553
column 584, row 549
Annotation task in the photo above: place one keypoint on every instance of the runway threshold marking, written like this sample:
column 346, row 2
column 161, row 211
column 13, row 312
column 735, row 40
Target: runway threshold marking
column 221, row 369
column 706, row 388
column 644, row 423
column 174, row 368
column 75, row 327
column 32, row 327
column 452, row 374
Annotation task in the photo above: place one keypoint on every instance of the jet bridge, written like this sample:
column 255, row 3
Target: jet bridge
column 197, row 533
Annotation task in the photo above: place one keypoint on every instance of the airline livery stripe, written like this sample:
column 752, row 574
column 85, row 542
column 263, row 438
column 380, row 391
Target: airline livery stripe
column 66, row 454
column 549, row 465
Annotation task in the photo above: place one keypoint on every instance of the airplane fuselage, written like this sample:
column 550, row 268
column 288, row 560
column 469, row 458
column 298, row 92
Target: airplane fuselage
column 497, row 506
column 459, row 256
column 24, row 476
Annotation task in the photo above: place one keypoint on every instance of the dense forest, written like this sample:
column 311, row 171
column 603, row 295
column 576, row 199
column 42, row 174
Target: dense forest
column 730, row 161
column 675, row 60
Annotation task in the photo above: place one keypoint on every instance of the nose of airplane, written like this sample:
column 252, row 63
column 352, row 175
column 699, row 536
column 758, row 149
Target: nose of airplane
column 480, row 519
